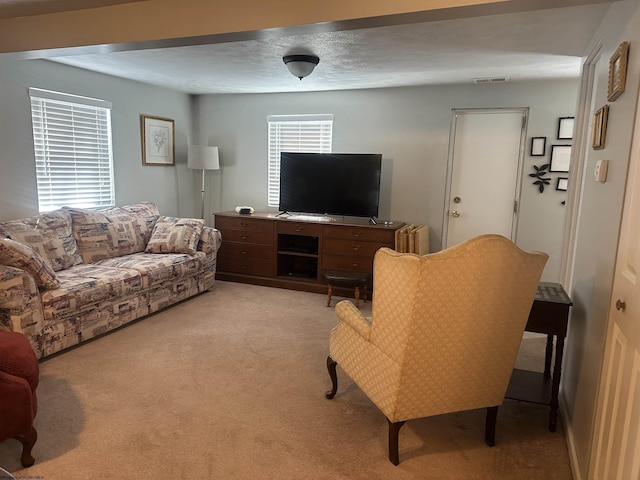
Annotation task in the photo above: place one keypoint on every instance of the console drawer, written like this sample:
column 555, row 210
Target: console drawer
column 299, row 228
column 246, row 236
column 245, row 224
column 356, row 263
column 247, row 266
column 360, row 233
column 246, row 250
column 356, row 247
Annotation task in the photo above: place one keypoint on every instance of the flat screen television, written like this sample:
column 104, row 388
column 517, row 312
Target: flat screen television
column 346, row 184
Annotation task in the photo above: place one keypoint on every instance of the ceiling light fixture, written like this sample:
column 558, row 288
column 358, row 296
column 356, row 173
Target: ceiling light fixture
column 300, row 65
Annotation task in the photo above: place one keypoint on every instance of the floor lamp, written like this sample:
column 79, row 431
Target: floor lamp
column 203, row 158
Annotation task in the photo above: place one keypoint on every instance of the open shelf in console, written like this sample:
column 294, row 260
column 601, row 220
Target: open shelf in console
column 297, row 244
column 297, row 256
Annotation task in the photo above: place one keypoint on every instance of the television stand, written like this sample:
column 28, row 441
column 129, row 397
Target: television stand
column 294, row 252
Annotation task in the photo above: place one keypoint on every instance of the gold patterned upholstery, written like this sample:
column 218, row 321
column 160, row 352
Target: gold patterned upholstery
column 444, row 332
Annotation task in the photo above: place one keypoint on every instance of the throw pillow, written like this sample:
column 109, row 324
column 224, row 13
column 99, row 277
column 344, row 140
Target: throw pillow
column 175, row 235
column 15, row 254
column 101, row 235
column 49, row 234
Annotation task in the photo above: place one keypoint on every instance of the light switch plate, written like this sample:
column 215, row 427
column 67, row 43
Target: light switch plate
column 600, row 172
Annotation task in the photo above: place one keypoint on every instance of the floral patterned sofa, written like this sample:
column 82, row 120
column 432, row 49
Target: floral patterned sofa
column 69, row 275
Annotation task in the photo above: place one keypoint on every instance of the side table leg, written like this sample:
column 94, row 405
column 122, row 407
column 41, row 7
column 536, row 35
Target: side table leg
column 547, row 356
column 555, row 385
column 329, row 293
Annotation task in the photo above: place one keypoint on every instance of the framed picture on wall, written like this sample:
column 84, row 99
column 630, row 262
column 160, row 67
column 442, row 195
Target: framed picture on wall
column 599, row 133
column 538, row 146
column 565, row 128
column 562, row 184
column 618, row 71
column 158, row 137
column 560, row 158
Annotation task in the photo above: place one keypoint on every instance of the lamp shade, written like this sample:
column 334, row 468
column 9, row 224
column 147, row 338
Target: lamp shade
column 203, row 157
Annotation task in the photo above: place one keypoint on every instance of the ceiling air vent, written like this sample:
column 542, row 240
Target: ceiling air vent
column 491, row 80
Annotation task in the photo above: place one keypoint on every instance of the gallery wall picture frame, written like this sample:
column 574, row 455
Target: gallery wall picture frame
column 158, row 140
column 565, row 128
column 618, row 71
column 538, row 146
column 562, row 184
column 599, row 134
column 560, row 158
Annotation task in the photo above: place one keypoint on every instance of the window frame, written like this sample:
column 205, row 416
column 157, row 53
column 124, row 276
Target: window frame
column 73, row 150
column 318, row 142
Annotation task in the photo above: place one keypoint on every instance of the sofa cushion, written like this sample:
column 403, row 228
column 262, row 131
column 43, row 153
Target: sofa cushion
column 158, row 268
column 147, row 210
column 175, row 235
column 88, row 284
column 15, row 254
column 50, row 234
column 101, row 235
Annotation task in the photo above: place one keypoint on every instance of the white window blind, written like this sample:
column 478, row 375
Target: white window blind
column 295, row 133
column 73, row 152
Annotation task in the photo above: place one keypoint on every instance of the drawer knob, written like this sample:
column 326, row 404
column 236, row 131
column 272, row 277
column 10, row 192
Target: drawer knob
column 355, row 247
column 243, row 237
column 243, row 252
column 355, row 264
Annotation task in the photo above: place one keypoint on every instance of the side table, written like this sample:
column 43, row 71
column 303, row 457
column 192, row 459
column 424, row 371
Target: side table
column 549, row 314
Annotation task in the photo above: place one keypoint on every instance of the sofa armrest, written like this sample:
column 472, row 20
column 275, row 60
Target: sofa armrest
column 349, row 314
column 210, row 240
column 20, row 305
column 17, row 358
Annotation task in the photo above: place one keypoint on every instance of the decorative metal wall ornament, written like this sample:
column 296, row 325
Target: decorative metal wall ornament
column 539, row 174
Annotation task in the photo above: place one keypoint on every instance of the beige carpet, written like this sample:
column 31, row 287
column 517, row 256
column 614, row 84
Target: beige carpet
column 230, row 385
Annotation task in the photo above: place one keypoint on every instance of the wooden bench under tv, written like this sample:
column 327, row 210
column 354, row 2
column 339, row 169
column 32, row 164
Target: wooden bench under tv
column 293, row 253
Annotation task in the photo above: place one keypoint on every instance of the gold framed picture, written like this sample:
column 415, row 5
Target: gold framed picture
column 158, row 138
column 599, row 134
column 618, row 71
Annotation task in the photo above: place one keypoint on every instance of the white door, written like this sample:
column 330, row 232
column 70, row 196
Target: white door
column 484, row 165
column 616, row 444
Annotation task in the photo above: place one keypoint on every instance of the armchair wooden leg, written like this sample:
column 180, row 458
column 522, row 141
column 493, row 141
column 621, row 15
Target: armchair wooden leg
column 394, row 432
column 331, row 366
column 27, row 441
column 490, row 426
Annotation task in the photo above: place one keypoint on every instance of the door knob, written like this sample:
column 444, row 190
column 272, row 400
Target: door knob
column 455, row 214
column 620, row 305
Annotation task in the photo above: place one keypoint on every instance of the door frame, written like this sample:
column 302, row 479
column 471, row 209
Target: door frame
column 455, row 112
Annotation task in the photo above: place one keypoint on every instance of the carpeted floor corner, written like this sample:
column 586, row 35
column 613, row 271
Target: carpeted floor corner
column 230, row 385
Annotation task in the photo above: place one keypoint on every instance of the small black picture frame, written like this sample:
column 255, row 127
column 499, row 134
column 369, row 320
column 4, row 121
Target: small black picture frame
column 560, row 158
column 538, row 146
column 565, row 128
column 562, row 184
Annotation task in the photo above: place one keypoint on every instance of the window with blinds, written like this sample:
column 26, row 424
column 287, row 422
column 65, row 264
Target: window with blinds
column 73, row 152
column 295, row 133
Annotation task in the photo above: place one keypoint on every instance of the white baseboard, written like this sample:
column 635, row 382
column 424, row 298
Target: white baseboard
column 571, row 446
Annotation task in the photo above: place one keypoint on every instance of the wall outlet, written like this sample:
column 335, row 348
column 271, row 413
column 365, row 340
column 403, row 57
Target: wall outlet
column 600, row 172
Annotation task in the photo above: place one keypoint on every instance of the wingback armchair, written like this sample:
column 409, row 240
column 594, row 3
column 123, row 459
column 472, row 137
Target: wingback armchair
column 18, row 382
column 444, row 332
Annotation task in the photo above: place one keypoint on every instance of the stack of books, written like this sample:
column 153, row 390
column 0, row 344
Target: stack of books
column 413, row 239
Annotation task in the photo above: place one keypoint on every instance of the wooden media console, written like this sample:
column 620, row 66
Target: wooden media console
column 287, row 252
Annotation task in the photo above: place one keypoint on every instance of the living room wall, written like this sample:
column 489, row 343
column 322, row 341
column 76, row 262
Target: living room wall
column 410, row 127
column 170, row 187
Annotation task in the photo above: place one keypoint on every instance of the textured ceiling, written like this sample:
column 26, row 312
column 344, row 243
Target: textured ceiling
column 533, row 45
